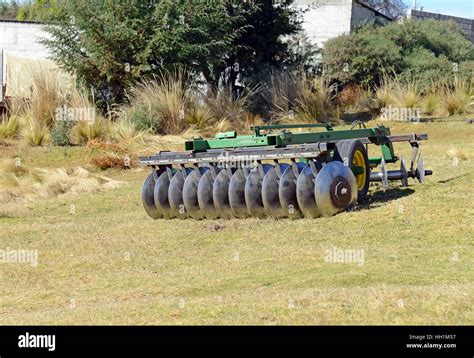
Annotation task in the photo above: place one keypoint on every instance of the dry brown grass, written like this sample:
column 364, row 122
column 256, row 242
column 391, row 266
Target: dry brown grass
column 301, row 99
column 9, row 127
column 47, row 94
column 105, row 155
column 457, row 99
column 407, row 95
column 430, row 103
column 20, row 184
column 48, row 97
column 161, row 105
column 114, row 265
column 112, row 160
column 34, row 133
column 85, row 131
column 124, row 130
column 223, row 106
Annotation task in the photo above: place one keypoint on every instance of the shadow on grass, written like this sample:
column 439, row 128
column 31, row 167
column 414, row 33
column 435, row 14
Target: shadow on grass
column 452, row 178
column 382, row 197
column 349, row 118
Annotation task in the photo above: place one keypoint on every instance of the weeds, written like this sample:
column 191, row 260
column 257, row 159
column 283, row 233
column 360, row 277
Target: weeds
column 296, row 99
column 161, row 105
column 35, row 133
column 84, row 131
column 9, row 127
column 457, row 99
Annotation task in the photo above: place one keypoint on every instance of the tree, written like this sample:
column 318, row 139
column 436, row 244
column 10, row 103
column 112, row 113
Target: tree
column 111, row 45
column 40, row 10
column 261, row 45
column 8, row 10
column 424, row 51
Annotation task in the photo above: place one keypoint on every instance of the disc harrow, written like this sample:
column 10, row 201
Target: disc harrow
column 311, row 174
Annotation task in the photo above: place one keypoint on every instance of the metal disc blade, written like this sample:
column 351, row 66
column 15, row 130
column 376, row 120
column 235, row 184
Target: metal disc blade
column 220, row 192
column 161, row 194
column 175, row 192
column 270, row 196
column 204, row 193
column 237, row 193
column 421, row 170
column 190, row 191
column 383, row 170
column 148, row 199
column 305, row 193
column 287, row 191
column 403, row 172
column 335, row 189
column 253, row 191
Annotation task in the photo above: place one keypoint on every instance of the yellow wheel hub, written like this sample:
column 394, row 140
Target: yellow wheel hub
column 359, row 161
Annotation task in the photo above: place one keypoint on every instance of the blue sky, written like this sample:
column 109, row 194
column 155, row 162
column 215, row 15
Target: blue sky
column 463, row 8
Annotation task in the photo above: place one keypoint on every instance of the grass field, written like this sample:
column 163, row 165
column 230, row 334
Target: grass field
column 106, row 262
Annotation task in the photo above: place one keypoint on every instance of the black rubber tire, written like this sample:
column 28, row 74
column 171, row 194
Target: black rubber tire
column 346, row 149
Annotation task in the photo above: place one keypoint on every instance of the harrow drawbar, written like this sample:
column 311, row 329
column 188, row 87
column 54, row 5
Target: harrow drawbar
column 309, row 174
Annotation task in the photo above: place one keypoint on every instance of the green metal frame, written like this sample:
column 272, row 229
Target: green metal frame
column 265, row 137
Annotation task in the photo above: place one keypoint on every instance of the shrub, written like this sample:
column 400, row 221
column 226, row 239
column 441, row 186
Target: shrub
column 407, row 95
column 349, row 96
column 384, row 94
column 161, row 105
column 457, row 99
column 283, row 91
column 421, row 51
column 200, row 116
column 430, row 103
column 169, row 105
column 49, row 92
column 84, row 131
column 299, row 98
column 370, row 103
column 125, row 130
column 35, row 133
column 9, row 127
column 225, row 106
column 60, row 133
column 314, row 102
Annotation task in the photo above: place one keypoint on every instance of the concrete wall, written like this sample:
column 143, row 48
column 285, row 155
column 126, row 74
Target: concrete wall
column 21, row 52
column 326, row 19
column 466, row 25
column 22, row 39
column 19, row 39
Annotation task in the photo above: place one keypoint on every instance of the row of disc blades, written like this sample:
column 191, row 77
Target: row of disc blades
column 280, row 190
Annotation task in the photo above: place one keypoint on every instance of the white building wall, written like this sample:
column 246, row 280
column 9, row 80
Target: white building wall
column 326, row 19
column 22, row 39
column 22, row 53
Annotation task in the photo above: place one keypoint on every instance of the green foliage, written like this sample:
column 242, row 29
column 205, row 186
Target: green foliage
column 31, row 10
column 113, row 45
column 423, row 51
column 9, row 126
column 161, row 105
column 8, row 10
column 40, row 10
column 458, row 99
column 85, row 131
column 60, row 133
